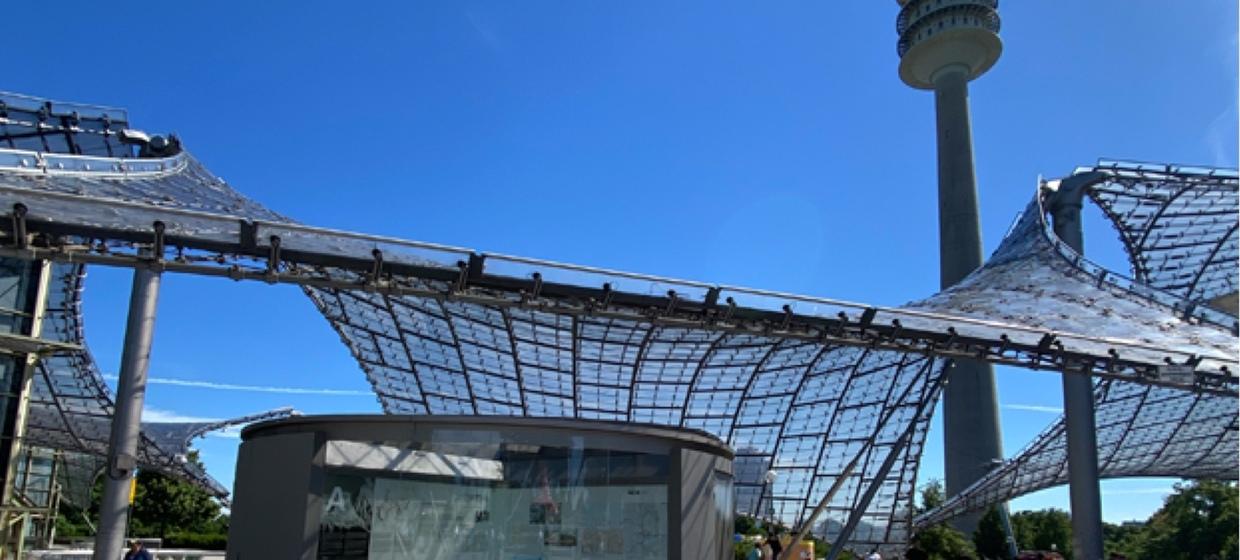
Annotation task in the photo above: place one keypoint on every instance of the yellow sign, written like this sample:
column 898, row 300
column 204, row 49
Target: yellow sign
column 133, row 489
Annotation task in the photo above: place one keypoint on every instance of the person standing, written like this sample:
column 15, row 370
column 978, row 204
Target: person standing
column 137, row 551
column 767, row 552
column 774, row 544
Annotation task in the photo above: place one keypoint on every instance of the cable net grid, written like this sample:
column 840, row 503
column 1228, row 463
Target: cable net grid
column 441, row 355
column 71, row 405
column 1142, row 431
column 794, row 411
column 1178, row 225
column 1179, row 228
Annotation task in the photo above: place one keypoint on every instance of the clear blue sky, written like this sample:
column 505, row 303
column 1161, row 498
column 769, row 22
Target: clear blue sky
column 752, row 143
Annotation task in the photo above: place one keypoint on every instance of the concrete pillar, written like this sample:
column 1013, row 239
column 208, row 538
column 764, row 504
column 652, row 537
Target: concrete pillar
column 971, row 435
column 127, row 418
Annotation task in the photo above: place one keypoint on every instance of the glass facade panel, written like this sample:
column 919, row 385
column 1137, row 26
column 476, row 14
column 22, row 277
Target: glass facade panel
column 470, row 495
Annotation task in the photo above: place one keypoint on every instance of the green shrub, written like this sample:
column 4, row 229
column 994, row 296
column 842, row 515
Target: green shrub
column 203, row 541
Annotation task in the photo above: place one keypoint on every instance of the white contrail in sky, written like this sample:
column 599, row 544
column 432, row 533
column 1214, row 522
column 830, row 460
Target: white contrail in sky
column 253, row 388
column 1035, row 408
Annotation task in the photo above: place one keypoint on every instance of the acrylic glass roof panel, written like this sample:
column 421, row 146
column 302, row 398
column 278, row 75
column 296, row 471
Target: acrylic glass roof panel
column 1145, row 430
column 27, row 123
column 174, row 182
column 653, row 385
column 1142, row 431
column 799, row 410
column 75, row 433
column 540, row 338
column 1178, row 225
column 1034, row 279
column 178, row 435
column 213, row 230
column 77, row 476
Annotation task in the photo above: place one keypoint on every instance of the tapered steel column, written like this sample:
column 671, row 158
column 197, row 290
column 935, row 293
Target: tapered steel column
column 971, row 434
column 126, row 422
column 1078, row 393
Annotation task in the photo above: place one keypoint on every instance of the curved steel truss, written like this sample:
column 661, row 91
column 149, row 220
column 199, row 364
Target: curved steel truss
column 803, row 388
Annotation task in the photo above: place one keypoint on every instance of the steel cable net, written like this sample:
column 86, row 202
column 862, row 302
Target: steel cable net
column 1034, row 279
column 1179, row 227
column 799, row 410
column 797, row 386
column 1141, row 431
column 71, row 406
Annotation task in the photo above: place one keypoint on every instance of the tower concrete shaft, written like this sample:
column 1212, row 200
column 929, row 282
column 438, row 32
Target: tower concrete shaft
column 943, row 45
column 972, row 440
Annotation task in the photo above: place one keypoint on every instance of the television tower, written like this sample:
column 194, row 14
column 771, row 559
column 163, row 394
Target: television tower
column 944, row 44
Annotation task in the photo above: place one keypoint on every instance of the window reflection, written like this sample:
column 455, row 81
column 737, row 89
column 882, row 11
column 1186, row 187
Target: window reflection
column 471, row 496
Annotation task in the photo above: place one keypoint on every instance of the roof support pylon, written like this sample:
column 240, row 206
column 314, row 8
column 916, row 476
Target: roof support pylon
column 127, row 421
column 1078, row 391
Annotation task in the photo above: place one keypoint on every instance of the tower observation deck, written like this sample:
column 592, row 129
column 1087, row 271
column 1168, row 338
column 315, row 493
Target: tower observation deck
column 937, row 35
column 943, row 45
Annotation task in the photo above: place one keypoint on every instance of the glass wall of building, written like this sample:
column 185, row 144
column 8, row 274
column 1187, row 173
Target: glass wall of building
column 470, row 489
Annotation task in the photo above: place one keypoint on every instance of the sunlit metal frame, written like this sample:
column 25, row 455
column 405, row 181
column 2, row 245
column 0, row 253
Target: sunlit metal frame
column 797, row 385
column 71, row 405
column 1178, row 225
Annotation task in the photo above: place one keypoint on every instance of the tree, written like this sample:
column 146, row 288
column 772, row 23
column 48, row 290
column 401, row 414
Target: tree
column 931, row 496
column 163, row 504
column 1198, row 521
column 1048, row 529
column 990, row 538
column 741, row 550
column 746, row 525
column 940, row 542
column 78, row 520
column 944, row 543
column 1122, row 539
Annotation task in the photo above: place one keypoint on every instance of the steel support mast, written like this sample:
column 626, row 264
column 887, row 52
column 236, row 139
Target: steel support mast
column 126, row 423
column 1078, row 391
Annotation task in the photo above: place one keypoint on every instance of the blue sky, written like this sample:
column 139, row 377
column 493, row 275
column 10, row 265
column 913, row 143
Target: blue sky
column 762, row 144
